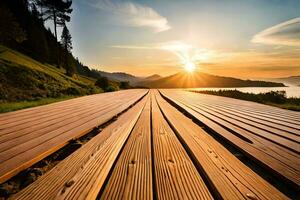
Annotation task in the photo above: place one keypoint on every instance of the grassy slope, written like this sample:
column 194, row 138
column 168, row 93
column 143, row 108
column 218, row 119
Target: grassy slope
column 25, row 82
column 12, row 106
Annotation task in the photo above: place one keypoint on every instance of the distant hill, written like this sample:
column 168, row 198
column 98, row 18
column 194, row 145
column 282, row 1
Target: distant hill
column 291, row 80
column 152, row 77
column 119, row 76
column 198, row 79
column 146, row 80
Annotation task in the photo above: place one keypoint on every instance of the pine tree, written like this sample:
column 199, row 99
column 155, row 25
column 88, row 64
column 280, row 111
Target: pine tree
column 68, row 60
column 66, row 39
column 10, row 29
column 56, row 10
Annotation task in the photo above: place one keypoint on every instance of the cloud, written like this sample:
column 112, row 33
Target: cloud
column 133, row 47
column 286, row 33
column 133, row 14
column 181, row 49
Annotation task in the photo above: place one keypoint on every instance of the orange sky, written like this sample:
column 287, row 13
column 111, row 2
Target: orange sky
column 249, row 39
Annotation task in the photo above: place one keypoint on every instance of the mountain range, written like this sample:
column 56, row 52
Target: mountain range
column 187, row 80
column 291, row 80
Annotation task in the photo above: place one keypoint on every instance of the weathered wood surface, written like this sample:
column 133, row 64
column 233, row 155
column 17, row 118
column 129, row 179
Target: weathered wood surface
column 175, row 174
column 131, row 177
column 228, row 176
column 274, row 151
column 81, row 175
column 154, row 151
column 29, row 135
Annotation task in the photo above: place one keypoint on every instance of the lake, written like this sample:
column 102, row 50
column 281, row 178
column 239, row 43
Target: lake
column 291, row 91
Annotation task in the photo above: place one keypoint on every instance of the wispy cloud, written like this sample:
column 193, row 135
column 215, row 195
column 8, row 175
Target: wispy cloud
column 133, row 14
column 185, row 52
column 134, row 47
column 286, row 33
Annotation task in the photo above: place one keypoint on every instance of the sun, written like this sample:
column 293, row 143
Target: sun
column 189, row 66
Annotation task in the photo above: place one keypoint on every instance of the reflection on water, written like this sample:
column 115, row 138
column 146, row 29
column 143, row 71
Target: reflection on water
column 290, row 91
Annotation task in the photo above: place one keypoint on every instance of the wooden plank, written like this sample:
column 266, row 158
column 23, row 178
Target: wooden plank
column 14, row 145
column 175, row 174
column 281, row 161
column 46, row 134
column 254, row 118
column 83, row 173
column 61, row 118
column 244, row 128
column 257, row 108
column 49, row 110
column 53, row 122
column 292, row 134
column 30, row 150
column 268, row 135
column 283, row 121
column 11, row 116
column 131, row 177
column 229, row 177
column 35, row 132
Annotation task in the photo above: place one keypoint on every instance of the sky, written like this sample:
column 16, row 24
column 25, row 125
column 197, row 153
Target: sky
column 237, row 38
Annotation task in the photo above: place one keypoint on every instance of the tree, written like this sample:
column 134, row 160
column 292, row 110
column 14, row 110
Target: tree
column 70, row 64
column 68, row 60
column 9, row 27
column 66, row 39
column 102, row 82
column 124, row 85
column 56, row 10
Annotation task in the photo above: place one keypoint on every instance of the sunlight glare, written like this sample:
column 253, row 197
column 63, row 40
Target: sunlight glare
column 189, row 66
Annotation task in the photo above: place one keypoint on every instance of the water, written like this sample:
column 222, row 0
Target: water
column 292, row 91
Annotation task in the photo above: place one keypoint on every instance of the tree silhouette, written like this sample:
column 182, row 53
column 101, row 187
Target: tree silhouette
column 9, row 27
column 66, row 39
column 68, row 60
column 102, row 82
column 22, row 28
column 56, row 10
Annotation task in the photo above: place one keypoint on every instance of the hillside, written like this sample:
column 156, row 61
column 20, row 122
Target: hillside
column 198, row 79
column 291, row 80
column 119, row 76
column 152, row 77
column 23, row 78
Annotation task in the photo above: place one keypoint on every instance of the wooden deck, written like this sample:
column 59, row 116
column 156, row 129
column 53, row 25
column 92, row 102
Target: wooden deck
column 172, row 144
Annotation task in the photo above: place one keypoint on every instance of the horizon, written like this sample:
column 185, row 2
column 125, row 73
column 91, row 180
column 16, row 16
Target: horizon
column 139, row 99
column 248, row 40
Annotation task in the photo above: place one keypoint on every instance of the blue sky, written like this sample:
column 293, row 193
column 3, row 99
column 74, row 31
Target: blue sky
column 218, row 36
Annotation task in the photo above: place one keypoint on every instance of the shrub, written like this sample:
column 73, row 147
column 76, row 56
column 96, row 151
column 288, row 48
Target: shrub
column 111, row 89
column 102, row 82
column 124, row 85
column 72, row 91
column 94, row 90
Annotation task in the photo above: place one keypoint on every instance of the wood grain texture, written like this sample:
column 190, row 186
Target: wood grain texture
column 82, row 174
column 258, row 109
column 228, row 176
column 153, row 151
column 39, row 111
column 280, row 160
column 131, row 177
column 261, row 122
column 175, row 174
column 20, row 149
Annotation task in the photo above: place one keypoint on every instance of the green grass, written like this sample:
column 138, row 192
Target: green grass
column 24, row 80
column 273, row 98
column 12, row 106
column 17, row 58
